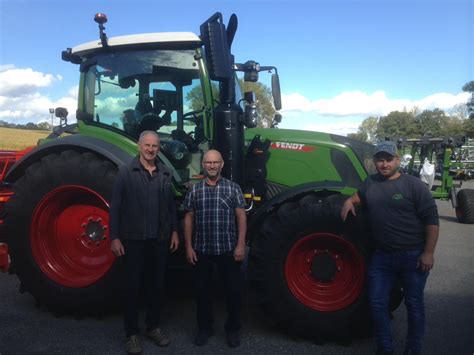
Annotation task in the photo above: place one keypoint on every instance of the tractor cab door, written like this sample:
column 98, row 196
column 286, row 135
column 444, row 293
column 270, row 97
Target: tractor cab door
column 158, row 90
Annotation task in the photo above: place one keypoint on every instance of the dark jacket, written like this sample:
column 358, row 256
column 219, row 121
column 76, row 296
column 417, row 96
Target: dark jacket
column 128, row 205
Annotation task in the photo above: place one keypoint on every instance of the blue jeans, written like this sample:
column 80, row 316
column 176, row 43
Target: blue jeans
column 384, row 269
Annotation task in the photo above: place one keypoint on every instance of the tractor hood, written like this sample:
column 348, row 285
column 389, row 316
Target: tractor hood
column 297, row 157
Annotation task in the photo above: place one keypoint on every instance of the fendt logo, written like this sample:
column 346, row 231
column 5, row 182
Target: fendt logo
column 292, row 146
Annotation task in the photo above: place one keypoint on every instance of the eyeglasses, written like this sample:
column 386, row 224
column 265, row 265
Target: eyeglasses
column 213, row 162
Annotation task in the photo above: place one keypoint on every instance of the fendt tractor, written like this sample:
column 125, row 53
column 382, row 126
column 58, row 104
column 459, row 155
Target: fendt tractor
column 308, row 268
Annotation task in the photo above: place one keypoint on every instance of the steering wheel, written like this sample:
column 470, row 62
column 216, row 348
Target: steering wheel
column 150, row 122
column 193, row 114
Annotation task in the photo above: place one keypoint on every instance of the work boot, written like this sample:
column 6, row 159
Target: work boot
column 158, row 337
column 132, row 345
column 202, row 337
column 233, row 339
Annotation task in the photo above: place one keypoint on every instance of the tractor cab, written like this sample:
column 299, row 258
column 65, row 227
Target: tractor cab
column 148, row 82
column 173, row 84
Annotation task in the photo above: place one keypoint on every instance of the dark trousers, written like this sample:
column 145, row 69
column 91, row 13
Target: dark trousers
column 384, row 269
column 229, row 270
column 145, row 263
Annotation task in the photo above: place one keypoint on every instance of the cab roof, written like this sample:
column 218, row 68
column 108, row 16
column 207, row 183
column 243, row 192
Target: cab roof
column 149, row 40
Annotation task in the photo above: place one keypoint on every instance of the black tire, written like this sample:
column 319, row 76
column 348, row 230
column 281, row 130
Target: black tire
column 465, row 206
column 69, row 189
column 330, row 305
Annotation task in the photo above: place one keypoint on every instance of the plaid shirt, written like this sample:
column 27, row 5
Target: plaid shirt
column 214, row 215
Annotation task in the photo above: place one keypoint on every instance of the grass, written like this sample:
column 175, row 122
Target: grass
column 18, row 139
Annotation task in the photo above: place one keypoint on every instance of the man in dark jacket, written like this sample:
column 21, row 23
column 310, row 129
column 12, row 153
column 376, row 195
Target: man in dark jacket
column 404, row 221
column 143, row 229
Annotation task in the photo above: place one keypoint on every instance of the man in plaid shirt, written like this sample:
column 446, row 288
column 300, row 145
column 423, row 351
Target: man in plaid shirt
column 213, row 207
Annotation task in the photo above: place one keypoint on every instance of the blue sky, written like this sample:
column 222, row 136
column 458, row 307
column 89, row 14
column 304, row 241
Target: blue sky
column 339, row 61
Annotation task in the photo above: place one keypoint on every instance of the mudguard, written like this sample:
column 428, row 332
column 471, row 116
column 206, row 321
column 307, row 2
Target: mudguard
column 76, row 142
column 289, row 194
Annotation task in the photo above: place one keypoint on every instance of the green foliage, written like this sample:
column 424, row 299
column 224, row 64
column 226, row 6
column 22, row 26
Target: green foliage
column 414, row 125
column 468, row 127
column 397, row 124
column 195, row 97
column 41, row 126
column 264, row 99
column 469, row 87
column 429, row 122
column 360, row 136
column 368, row 128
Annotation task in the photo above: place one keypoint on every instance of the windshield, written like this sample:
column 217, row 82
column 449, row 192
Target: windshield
column 158, row 90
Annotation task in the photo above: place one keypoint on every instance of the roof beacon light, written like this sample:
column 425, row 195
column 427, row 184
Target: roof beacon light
column 101, row 18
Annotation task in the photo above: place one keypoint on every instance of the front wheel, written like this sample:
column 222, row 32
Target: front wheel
column 58, row 233
column 309, row 270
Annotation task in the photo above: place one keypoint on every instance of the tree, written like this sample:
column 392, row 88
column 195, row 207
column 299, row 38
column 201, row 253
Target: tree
column 397, row 124
column 360, row 136
column 368, row 128
column 45, row 126
column 264, row 100
column 196, row 99
column 469, row 87
column 429, row 122
column 468, row 127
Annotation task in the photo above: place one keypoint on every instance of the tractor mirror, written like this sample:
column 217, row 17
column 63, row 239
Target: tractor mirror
column 61, row 112
column 276, row 91
column 217, row 51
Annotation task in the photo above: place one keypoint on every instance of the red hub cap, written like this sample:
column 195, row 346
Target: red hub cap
column 325, row 272
column 69, row 236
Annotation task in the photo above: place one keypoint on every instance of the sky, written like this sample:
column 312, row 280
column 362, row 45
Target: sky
column 339, row 61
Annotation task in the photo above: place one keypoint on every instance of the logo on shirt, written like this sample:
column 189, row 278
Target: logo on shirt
column 397, row 197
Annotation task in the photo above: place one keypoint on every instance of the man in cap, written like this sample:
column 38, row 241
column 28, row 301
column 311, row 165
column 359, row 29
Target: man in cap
column 404, row 221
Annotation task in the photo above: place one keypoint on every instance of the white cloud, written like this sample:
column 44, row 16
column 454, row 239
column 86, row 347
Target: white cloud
column 358, row 103
column 4, row 67
column 343, row 113
column 21, row 101
column 17, row 82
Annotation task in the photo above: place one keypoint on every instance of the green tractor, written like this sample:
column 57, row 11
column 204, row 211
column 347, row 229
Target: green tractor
column 440, row 153
column 308, row 268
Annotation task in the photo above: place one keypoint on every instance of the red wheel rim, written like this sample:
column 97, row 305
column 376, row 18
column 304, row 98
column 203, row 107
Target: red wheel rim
column 69, row 236
column 341, row 288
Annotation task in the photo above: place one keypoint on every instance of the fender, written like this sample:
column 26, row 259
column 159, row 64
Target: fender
column 76, row 142
column 292, row 193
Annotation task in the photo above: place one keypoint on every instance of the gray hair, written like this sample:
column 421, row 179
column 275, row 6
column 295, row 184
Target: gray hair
column 145, row 133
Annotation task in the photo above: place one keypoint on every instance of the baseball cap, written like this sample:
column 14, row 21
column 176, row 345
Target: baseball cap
column 388, row 147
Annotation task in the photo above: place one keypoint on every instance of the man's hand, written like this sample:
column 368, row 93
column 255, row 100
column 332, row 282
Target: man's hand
column 239, row 253
column 346, row 208
column 426, row 262
column 117, row 247
column 191, row 256
column 174, row 242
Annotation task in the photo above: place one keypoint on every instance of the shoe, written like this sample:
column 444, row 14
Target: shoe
column 156, row 336
column 132, row 345
column 233, row 339
column 202, row 337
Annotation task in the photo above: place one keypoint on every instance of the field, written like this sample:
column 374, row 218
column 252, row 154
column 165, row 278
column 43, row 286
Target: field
column 18, row 139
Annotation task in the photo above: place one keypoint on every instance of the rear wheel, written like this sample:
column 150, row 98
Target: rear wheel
column 310, row 271
column 58, row 228
column 465, row 206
